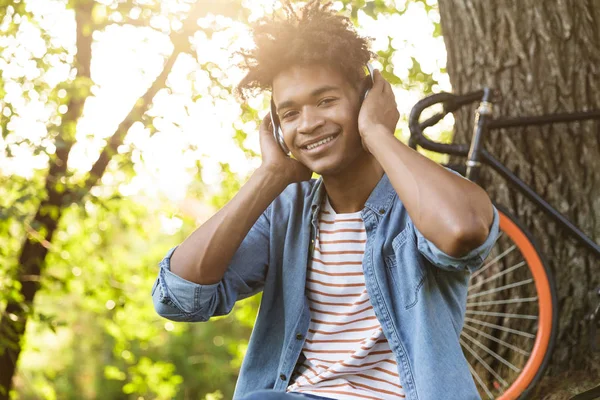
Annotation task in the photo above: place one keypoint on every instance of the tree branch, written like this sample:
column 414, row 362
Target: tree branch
column 139, row 23
column 181, row 44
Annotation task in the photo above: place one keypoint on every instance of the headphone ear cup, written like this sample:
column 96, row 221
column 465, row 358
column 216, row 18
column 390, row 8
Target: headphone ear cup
column 367, row 85
column 277, row 132
column 279, row 138
column 368, row 81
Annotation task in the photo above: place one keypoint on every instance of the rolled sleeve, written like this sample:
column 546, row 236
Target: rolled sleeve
column 471, row 261
column 176, row 298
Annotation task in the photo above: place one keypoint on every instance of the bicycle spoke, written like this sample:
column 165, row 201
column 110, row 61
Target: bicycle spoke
column 478, row 379
column 497, row 314
column 501, row 288
column 499, row 327
column 502, row 342
column 495, row 260
column 496, row 276
column 485, row 365
column 497, row 302
column 490, row 352
column 504, row 316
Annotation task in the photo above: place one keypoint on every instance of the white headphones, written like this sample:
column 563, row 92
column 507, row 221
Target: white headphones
column 278, row 133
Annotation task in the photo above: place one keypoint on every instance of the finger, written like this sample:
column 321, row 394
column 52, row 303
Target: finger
column 376, row 81
column 388, row 90
column 387, row 87
column 266, row 124
column 380, row 81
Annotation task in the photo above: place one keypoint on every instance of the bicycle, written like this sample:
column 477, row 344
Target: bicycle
column 512, row 314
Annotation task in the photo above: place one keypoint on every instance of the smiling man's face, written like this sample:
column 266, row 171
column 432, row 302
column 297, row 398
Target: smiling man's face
column 318, row 110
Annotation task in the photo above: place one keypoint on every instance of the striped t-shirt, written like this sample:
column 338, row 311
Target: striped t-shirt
column 347, row 355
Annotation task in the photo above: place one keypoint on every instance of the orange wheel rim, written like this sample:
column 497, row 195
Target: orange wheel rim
column 542, row 287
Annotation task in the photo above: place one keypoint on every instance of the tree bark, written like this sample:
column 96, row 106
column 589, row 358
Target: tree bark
column 544, row 57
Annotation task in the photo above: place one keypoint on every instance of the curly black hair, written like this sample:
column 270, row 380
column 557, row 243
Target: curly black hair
column 315, row 34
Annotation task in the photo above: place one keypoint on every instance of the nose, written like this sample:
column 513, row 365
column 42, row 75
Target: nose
column 310, row 120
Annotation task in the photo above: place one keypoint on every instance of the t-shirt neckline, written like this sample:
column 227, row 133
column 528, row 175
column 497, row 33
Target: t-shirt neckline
column 329, row 208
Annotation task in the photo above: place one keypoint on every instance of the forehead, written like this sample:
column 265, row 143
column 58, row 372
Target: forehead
column 300, row 81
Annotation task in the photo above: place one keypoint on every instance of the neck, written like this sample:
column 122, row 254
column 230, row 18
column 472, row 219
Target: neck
column 349, row 190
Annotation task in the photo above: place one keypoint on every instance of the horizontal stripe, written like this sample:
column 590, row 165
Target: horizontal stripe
column 339, row 313
column 343, row 331
column 378, row 390
column 343, row 323
column 318, row 271
column 338, row 374
column 335, row 284
column 335, row 221
column 338, row 304
column 368, row 364
column 315, row 373
column 361, row 252
column 374, row 353
column 342, row 341
column 329, row 351
column 308, row 289
column 337, row 263
column 373, row 345
column 342, row 241
column 341, row 351
column 328, row 232
column 380, row 380
column 385, row 371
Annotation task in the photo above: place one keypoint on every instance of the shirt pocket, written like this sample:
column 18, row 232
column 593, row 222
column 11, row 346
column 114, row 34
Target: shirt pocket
column 406, row 268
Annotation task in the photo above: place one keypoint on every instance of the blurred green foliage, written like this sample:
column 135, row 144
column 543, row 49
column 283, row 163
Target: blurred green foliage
column 93, row 332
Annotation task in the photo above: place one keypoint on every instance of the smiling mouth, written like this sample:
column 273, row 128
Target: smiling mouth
column 320, row 142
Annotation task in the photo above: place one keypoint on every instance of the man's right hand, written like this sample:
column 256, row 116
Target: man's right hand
column 204, row 256
column 276, row 161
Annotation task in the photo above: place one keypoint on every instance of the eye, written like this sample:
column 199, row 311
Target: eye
column 288, row 114
column 327, row 101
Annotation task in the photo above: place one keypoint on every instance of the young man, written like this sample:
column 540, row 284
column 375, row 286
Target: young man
column 364, row 271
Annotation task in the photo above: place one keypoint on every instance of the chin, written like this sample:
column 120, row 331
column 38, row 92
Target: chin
column 326, row 167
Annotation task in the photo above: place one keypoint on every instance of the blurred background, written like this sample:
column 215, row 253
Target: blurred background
column 120, row 135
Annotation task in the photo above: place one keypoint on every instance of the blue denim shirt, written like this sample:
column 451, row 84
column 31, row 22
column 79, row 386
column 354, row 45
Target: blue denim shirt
column 418, row 293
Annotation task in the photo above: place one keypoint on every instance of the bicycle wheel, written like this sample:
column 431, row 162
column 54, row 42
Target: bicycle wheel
column 511, row 317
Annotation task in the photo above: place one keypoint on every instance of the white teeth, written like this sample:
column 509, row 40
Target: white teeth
column 320, row 142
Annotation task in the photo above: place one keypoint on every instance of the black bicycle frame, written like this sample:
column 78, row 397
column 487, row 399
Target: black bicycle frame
column 477, row 155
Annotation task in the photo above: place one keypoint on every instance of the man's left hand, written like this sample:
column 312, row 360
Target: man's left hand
column 378, row 113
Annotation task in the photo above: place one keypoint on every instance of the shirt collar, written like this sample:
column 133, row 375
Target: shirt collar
column 317, row 194
column 381, row 198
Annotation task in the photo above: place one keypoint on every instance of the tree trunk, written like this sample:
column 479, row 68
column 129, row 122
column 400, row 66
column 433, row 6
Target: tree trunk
column 544, row 57
column 13, row 320
column 35, row 247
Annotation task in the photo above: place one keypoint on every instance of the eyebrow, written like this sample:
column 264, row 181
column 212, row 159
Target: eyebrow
column 314, row 93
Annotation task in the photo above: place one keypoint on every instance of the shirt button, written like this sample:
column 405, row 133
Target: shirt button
column 299, row 336
column 282, row 377
column 381, row 211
